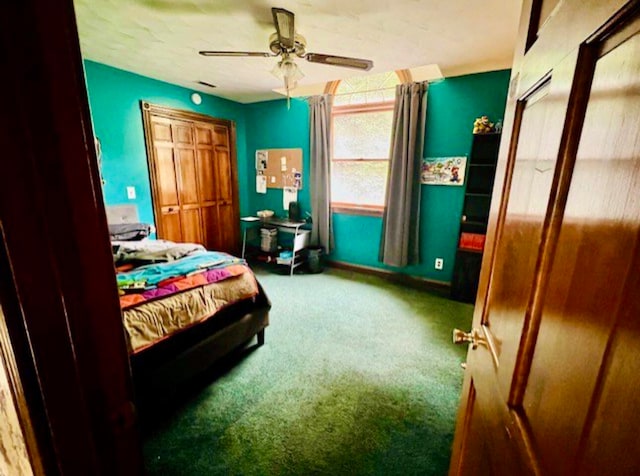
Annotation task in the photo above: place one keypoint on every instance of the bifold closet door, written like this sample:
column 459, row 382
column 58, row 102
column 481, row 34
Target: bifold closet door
column 174, row 172
column 207, row 180
column 187, row 178
column 165, row 182
column 227, row 208
column 193, row 179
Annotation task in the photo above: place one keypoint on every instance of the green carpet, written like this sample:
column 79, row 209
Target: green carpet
column 358, row 376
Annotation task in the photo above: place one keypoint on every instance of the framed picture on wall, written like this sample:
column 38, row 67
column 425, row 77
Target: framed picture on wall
column 443, row 171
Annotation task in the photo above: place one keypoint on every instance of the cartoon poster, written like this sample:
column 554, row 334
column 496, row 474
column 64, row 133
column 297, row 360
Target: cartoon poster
column 443, row 170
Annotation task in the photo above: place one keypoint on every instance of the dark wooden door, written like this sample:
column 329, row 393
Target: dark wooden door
column 226, row 178
column 549, row 385
column 62, row 324
column 193, row 177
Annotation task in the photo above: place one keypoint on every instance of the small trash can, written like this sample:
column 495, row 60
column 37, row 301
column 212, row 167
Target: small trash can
column 314, row 259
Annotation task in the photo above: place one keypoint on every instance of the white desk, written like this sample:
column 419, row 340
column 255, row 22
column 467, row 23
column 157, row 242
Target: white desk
column 300, row 236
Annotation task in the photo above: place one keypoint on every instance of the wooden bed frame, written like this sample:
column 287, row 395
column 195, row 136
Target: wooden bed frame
column 162, row 368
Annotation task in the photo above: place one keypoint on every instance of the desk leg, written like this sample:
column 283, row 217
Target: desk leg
column 244, row 241
column 293, row 255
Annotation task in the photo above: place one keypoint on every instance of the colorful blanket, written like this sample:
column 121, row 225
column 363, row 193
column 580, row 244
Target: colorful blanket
column 155, row 281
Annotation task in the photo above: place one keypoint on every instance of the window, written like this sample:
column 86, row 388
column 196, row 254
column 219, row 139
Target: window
column 362, row 116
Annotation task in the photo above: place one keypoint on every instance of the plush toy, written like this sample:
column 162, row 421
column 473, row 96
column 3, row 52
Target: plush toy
column 482, row 126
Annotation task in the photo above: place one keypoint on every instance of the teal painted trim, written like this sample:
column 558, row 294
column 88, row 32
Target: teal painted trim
column 114, row 97
column 271, row 125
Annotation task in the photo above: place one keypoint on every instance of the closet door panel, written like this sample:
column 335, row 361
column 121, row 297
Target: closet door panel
column 183, row 133
column 162, row 131
column 221, row 136
column 171, row 227
column 225, row 179
column 227, row 228
column 206, row 175
column 191, row 225
column 210, row 228
column 204, row 134
column 167, row 186
column 188, row 181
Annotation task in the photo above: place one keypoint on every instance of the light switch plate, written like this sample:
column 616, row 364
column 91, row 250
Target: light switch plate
column 131, row 193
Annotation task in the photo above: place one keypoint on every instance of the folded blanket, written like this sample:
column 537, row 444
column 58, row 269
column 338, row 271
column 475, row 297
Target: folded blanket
column 129, row 231
column 151, row 251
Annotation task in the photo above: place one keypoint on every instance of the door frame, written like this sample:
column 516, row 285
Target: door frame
column 59, row 292
column 150, row 109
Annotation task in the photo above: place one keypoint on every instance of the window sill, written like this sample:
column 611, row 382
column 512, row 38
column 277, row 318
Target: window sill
column 353, row 209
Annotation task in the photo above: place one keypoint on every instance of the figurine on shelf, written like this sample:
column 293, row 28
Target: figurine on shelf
column 482, row 125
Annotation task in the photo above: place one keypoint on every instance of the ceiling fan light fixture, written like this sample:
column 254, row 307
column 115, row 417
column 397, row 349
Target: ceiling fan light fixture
column 288, row 71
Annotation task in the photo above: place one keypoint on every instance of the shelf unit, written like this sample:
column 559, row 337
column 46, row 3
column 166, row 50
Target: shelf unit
column 299, row 239
column 481, row 171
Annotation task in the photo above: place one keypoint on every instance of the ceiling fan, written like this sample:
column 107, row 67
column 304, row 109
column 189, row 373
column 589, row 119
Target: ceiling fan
column 287, row 43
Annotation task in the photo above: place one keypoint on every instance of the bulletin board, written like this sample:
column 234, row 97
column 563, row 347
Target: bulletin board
column 282, row 167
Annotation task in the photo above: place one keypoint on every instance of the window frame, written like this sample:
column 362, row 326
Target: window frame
column 349, row 109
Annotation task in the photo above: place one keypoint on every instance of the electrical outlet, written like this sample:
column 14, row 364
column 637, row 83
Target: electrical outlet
column 131, row 193
column 439, row 264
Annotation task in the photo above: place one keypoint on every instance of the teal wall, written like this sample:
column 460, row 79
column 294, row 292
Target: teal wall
column 270, row 125
column 452, row 106
column 114, row 97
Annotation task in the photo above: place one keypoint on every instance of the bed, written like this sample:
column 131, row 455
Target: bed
column 184, row 308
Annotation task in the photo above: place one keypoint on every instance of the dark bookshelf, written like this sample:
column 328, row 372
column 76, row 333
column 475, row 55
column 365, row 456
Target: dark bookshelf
column 481, row 171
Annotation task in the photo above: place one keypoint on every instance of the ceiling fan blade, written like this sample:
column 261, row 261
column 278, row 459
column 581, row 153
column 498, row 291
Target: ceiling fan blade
column 284, row 21
column 332, row 60
column 236, row 53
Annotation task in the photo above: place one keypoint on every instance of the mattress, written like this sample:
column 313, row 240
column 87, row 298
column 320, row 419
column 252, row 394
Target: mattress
column 153, row 321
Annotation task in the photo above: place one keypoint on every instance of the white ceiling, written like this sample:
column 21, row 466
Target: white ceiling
column 161, row 38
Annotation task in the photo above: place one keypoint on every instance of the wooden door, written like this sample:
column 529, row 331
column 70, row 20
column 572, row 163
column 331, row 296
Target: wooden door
column 187, row 178
column 217, row 179
column 62, row 338
column 193, row 177
column 550, row 381
column 208, row 180
column 167, row 196
column 226, row 177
